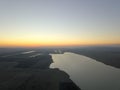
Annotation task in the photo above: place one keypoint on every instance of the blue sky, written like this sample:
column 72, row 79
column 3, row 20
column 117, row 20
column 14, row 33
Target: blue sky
column 60, row 21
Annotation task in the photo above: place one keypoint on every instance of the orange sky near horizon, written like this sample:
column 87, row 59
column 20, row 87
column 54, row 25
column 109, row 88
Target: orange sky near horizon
column 28, row 43
column 42, row 23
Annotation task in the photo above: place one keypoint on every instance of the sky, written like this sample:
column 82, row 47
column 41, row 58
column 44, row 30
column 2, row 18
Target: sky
column 59, row 22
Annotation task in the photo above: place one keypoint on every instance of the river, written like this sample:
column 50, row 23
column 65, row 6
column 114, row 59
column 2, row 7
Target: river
column 87, row 73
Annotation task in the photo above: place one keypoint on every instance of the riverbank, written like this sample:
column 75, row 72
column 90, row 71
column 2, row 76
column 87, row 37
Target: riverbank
column 107, row 55
column 87, row 73
column 22, row 72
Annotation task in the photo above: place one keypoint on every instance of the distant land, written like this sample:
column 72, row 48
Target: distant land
column 25, row 69
column 28, row 68
column 109, row 54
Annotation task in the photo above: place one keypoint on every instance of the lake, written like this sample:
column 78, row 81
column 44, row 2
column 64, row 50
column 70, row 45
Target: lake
column 86, row 72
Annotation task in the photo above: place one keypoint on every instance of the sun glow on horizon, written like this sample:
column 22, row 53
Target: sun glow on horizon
column 59, row 23
column 48, row 43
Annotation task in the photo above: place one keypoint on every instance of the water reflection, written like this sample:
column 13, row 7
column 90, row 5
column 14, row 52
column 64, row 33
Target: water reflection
column 35, row 55
column 27, row 52
column 87, row 73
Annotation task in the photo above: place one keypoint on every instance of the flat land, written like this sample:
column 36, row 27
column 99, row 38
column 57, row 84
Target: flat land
column 30, row 71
